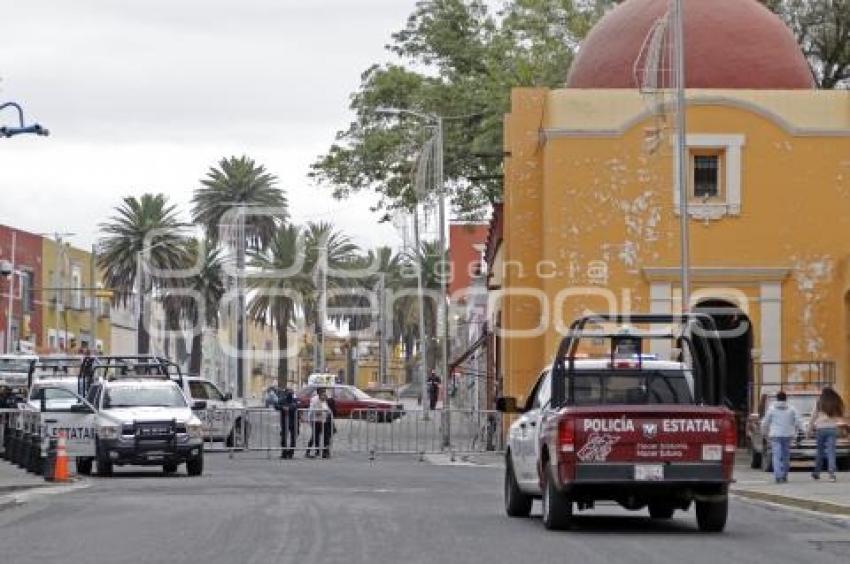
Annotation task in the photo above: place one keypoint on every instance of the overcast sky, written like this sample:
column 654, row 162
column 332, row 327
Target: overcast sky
column 143, row 96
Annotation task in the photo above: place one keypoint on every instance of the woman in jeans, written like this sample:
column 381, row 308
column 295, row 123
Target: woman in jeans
column 825, row 423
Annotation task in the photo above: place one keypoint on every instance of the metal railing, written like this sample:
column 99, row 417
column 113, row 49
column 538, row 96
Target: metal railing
column 770, row 377
column 374, row 432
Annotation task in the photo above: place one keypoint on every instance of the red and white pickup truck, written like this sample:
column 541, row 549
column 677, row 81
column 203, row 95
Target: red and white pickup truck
column 626, row 428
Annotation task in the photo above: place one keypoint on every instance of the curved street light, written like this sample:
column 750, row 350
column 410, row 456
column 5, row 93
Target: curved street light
column 22, row 128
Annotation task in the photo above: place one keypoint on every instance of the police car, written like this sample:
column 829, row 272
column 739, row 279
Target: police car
column 145, row 421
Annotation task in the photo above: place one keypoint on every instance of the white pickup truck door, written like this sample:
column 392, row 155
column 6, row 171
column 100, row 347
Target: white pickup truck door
column 528, row 441
column 64, row 411
column 215, row 417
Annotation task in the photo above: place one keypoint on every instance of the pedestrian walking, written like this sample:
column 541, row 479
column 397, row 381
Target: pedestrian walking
column 433, row 389
column 829, row 416
column 780, row 425
column 288, row 407
column 318, row 414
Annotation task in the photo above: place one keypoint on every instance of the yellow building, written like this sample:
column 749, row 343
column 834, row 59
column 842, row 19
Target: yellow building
column 591, row 216
column 67, row 301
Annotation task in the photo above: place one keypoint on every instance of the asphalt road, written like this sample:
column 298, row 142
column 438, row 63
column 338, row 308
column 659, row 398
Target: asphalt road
column 255, row 510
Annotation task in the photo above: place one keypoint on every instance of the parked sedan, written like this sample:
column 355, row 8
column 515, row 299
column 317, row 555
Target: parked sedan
column 351, row 402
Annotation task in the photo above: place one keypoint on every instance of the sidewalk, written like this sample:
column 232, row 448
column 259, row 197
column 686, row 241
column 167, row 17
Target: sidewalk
column 15, row 480
column 800, row 490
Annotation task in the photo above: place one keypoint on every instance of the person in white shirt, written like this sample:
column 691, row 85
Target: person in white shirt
column 780, row 424
column 318, row 415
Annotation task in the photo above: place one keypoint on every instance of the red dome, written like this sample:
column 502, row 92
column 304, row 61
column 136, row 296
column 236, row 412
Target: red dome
column 728, row 44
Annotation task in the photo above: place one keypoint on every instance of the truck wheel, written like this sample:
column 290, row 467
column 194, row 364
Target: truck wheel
column 169, row 468
column 84, row 466
column 661, row 511
column 711, row 515
column 755, row 458
column 104, row 467
column 557, row 508
column 195, row 466
column 517, row 504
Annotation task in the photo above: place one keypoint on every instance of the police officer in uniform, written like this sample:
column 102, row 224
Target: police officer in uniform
column 288, row 407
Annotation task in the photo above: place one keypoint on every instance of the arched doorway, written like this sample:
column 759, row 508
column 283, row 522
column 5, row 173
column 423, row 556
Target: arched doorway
column 736, row 333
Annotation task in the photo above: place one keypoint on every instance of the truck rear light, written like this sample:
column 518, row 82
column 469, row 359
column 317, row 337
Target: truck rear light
column 730, row 436
column 566, row 435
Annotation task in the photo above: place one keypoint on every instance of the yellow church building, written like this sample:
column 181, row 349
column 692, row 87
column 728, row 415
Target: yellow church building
column 591, row 214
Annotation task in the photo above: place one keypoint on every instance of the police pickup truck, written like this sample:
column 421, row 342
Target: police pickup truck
column 222, row 416
column 625, row 428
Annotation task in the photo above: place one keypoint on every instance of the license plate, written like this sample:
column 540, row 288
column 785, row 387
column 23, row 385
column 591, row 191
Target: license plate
column 649, row 472
column 156, row 456
column 712, row 453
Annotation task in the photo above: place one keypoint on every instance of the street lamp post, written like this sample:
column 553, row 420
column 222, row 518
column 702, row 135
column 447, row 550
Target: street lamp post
column 681, row 173
column 6, row 131
column 436, row 121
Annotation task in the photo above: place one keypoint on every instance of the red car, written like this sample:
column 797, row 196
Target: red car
column 353, row 402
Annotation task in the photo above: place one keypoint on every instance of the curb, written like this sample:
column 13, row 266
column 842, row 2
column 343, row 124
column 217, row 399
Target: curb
column 15, row 496
column 800, row 503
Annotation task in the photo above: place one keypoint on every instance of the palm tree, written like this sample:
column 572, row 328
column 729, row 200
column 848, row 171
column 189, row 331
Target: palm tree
column 327, row 252
column 219, row 206
column 273, row 300
column 148, row 226
column 426, row 259
column 236, row 184
column 196, row 298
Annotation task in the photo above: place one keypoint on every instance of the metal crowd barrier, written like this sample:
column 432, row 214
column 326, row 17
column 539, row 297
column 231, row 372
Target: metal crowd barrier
column 259, row 429
column 374, row 432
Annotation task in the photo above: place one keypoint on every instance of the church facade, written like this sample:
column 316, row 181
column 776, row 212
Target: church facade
column 591, row 218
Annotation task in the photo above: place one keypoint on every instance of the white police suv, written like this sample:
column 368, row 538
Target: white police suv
column 144, row 421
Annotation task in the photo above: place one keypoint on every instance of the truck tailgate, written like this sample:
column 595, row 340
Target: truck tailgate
column 650, row 434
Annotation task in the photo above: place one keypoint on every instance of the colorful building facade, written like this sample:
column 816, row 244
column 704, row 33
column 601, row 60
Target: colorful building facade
column 22, row 250
column 591, row 218
column 75, row 310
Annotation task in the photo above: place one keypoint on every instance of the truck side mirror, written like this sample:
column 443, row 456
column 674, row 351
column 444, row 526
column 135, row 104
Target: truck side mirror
column 81, row 408
column 228, row 396
column 506, row 404
column 199, row 405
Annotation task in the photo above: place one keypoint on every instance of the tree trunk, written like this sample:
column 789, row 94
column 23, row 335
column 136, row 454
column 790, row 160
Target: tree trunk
column 143, row 338
column 195, row 356
column 173, row 319
column 283, row 351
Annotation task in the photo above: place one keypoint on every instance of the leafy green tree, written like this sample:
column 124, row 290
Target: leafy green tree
column 457, row 60
column 822, row 28
column 144, row 228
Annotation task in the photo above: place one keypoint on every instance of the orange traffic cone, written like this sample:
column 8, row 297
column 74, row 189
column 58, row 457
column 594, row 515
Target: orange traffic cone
column 60, row 468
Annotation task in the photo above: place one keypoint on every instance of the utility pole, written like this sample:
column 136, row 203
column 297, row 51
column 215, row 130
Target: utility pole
column 423, row 338
column 382, row 337
column 322, row 282
column 681, row 173
column 11, row 294
column 240, row 304
column 444, row 294
column 59, row 282
column 92, row 298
